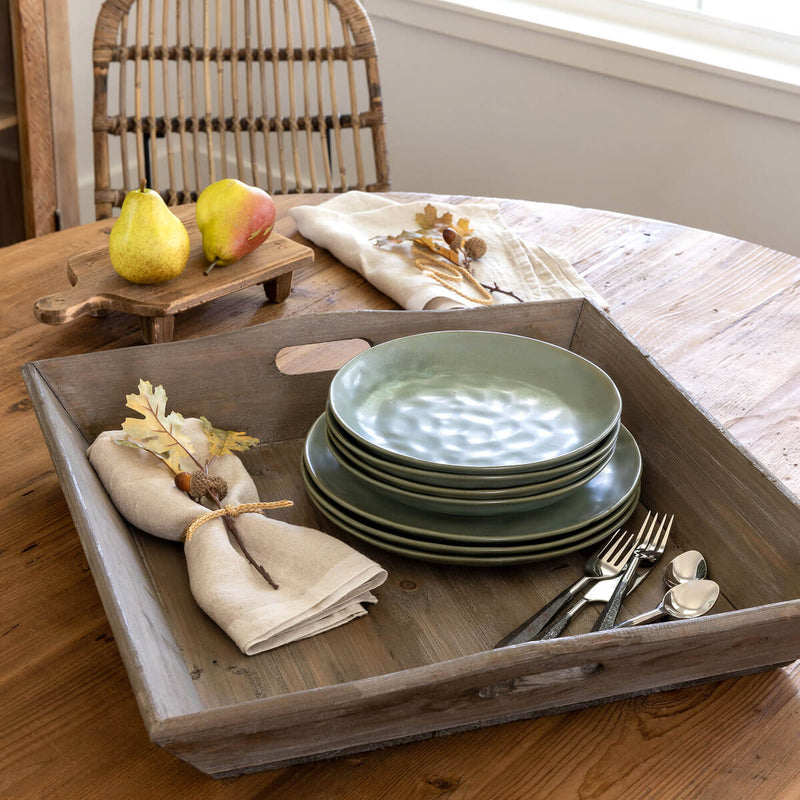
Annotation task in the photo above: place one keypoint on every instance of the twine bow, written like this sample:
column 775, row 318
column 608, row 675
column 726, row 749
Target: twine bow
column 231, row 511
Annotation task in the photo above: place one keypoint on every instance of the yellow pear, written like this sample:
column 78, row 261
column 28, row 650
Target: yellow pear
column 148, row 243
column 234, row 218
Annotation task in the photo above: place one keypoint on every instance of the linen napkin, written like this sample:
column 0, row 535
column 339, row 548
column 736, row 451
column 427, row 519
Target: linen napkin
column 322, row 581
column 347, row 225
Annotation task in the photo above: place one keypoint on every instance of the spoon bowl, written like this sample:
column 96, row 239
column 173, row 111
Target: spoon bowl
column 692, row 599
column 684, row 601
column 685, row 567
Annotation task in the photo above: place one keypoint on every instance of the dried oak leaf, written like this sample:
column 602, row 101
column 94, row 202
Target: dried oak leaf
column 156, row 431
column 428, row 220
column 222, row 443
column 440, row 250
column 173, row 459
column 462, row 226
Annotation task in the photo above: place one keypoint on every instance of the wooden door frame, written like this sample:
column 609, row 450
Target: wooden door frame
column 43, row 83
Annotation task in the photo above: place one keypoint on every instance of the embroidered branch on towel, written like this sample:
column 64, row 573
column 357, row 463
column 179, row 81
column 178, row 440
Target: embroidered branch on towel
column 443, row 249
column 163, row 436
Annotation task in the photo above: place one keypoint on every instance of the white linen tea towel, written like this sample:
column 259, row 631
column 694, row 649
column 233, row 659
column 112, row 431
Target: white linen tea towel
column 348, row 224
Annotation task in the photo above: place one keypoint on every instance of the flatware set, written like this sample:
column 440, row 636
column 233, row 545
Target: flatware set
column 613, row 572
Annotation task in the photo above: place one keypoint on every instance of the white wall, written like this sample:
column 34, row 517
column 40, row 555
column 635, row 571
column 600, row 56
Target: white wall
column 470, row 119
column 82, row 16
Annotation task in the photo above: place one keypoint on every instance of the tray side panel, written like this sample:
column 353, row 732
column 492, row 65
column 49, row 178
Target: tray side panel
column 162, row 686
column 728, row 505
column 486, row 688
column 233, row 379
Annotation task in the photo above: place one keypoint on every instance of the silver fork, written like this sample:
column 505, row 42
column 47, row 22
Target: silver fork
column 649, row 550
column 600, row 592
column 608, row 562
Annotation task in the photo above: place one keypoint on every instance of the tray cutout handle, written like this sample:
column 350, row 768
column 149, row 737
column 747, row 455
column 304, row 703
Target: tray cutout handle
column 301, row 359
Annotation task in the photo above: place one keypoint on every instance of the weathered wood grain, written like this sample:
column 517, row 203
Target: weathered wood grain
column 73, row 728
column 721, row 496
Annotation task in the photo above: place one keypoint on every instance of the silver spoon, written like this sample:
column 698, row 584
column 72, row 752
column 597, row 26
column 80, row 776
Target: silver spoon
column 684, row 601
column 688, row 566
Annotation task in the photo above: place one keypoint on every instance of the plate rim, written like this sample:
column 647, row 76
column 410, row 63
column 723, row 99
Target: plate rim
column 476, row 560
column 466, row 506
column 615, row 519
column 589, row 460
column 514, row 537
column 571, row 356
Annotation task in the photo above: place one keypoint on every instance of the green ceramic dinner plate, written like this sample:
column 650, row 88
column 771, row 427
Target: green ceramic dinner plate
column 467, row 556
column 590, row 503
column 578, row 538
column 434, row 482
column 474, row 402
column 469, row 502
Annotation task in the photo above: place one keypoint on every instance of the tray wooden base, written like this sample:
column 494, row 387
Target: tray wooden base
column 97, row 289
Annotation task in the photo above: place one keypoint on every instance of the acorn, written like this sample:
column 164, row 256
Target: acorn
column 199, row 485
column 475, row 247
column 452, row 238
column 183, row 480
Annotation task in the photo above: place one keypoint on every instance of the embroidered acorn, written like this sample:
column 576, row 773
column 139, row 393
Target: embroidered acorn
column 199, row 485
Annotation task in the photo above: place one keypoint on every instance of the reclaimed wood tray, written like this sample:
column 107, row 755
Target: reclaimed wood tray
column 98, row 289
column 421, row 661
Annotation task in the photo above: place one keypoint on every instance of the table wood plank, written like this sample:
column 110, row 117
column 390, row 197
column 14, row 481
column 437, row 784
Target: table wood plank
column 718, row 314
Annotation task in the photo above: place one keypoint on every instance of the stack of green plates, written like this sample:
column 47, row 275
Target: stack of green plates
column 472, row 447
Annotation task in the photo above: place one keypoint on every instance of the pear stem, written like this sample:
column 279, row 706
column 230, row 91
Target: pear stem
column 211, row 266
column 142, row 185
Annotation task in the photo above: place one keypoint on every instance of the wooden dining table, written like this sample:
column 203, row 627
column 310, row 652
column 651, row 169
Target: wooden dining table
column 720, row 315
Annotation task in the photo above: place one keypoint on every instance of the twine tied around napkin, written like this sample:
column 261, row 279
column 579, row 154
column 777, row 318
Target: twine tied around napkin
column 231, row 511
column 348, row 224
column 322, row 582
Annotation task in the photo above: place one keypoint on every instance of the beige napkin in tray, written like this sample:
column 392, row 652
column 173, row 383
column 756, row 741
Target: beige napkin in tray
column 347, row 224
column 322, row 581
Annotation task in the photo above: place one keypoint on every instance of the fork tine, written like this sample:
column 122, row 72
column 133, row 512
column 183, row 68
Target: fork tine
column 623, row 554
column 662, row 543
column 619, row 554
column 655, row 535
column 612, row 544
column 661, row 529
column 641, row 534
column 651, row 537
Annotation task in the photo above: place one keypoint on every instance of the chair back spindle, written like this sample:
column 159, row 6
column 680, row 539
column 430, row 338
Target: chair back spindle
column 281, row 94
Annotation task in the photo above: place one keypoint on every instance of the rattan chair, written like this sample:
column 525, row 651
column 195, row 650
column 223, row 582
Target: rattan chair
column 281, row 94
